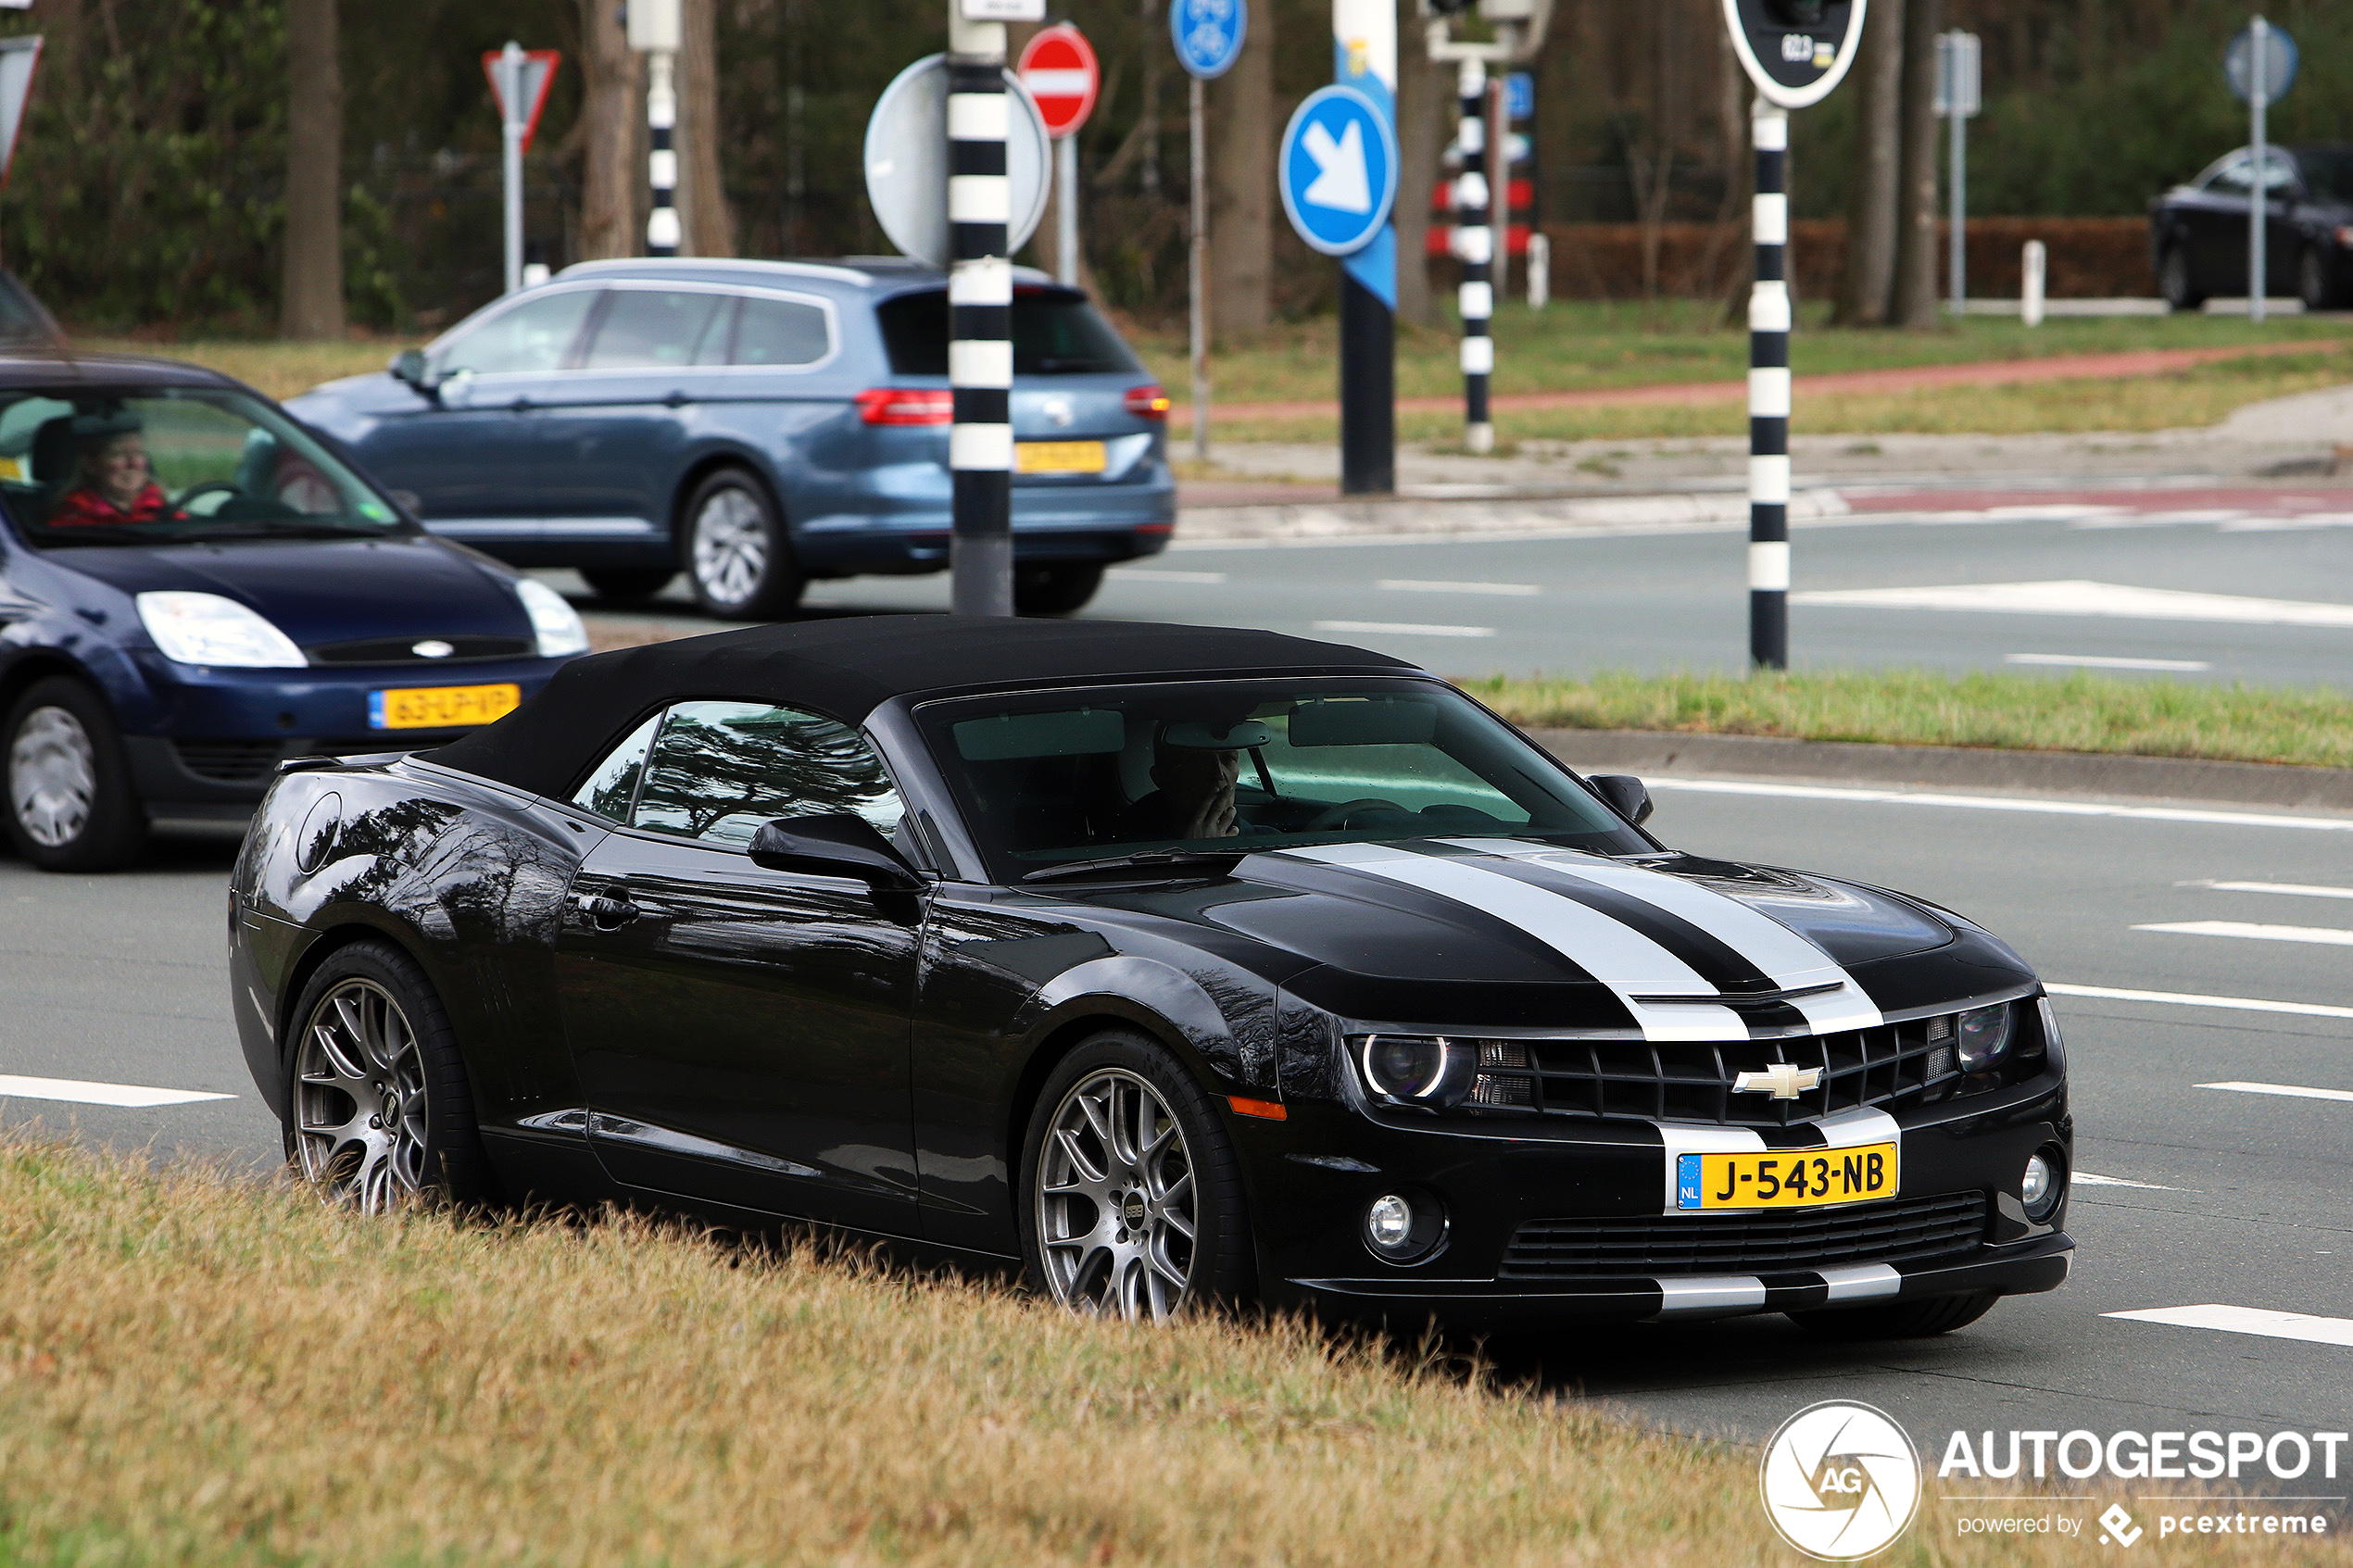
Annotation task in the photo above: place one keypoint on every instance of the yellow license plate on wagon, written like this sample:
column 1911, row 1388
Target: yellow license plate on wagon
column 1797, row 1178
column 441, row 707
column 1059, row 457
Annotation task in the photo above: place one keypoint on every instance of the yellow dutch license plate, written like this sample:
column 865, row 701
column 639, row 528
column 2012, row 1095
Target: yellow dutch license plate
column 1059, row 457
column 1789, row 1179
column 441, row 707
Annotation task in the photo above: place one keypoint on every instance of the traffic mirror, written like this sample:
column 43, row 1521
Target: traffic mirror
column 1794, row 50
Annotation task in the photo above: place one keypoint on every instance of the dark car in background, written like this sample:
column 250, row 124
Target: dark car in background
column 758, row 424
column 2198, row 232
column 245, row 596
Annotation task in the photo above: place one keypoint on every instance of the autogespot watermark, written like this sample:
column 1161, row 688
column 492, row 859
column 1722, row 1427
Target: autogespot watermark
column 1842, row 1481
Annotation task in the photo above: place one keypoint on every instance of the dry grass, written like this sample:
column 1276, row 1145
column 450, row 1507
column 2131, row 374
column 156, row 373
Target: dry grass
column 195, row 1371
column 281, row 369
column 2075, row 712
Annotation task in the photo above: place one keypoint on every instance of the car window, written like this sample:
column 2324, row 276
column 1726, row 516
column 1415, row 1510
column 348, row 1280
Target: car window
column 780, row 332
column 720, row 769
column 2230, row 176
column 645, row 329
column 1056, row 332
column 2328, row 173
column 534, row 335
column 610, row 789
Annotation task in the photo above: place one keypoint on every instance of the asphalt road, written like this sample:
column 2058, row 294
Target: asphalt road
column 2236, row 1198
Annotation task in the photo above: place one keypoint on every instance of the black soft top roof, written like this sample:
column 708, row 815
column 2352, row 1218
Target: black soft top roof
column 848, row 668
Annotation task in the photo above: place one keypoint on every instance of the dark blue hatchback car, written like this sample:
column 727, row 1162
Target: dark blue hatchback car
column 193, row 588
column 758, row 424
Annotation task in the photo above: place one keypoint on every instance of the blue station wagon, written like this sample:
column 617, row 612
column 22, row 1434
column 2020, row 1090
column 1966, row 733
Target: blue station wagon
column 758, row 424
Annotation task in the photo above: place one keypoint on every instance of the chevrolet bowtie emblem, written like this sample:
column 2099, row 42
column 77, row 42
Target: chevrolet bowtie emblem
column 1783, row 1080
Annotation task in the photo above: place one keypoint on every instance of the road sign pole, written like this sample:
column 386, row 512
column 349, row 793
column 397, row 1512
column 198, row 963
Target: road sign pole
column 1196, row 101
column 514, row 120
column 1364, row 57
column 1958, row 260
column 980, row 308
column 1067, row 211
column 2259, row 280
column 1769, row 395
column 1475, row 246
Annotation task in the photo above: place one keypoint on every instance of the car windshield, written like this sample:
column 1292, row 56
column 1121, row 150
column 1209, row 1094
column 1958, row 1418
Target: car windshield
column 1050, row 781
column 140, row 466
column 1056, row 332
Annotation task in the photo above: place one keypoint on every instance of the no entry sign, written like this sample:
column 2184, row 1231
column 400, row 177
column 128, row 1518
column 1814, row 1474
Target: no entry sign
column 1058, row 66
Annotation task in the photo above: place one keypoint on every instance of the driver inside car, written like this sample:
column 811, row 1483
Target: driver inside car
column 1194, row 766
column 112, row 483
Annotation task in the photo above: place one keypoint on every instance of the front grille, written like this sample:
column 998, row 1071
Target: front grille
column 1891, row 1066
column 1904, row 1230
column 403, row 650
column 229, row 761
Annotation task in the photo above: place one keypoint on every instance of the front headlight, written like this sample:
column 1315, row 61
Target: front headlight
column 207, row 628
column 553, row 622
column 1983, row 1037
column 1417, row 1069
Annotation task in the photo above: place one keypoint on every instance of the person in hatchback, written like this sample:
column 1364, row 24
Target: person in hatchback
column 113, row 482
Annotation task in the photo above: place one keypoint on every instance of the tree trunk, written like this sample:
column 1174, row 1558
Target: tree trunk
column 1425, row 117
column 1915, row 303
column 1868, row 286
column 312, row 302
column 612, row 175
column 1241, row 217
column 702, row 195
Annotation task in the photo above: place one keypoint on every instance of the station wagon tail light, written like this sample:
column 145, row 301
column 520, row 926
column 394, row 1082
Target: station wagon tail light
column 1148, row 402
column 907, row 405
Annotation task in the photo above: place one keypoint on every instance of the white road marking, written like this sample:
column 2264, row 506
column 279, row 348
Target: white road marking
column 2085, row 1178
column 2079, row 598
column 76, row 1091
column 2249, row 1320
column 1433, row 585
column 2102, row 662
column 1144, row 575
column 1402, row 629
column 2187, row 999
column 2294, row 889
column 2326, row 935
column 2002, row 803
column 2293, row 1091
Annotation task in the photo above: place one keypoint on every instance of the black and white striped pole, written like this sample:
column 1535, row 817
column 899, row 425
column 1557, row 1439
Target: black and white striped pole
column 1769, row 324
column 655, row 29
column 980, row 309
column 1475, row 248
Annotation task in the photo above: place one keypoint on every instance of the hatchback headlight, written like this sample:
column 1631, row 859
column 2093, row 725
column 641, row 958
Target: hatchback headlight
column 1983, row 1035
column 553, row 622
column 207, row 628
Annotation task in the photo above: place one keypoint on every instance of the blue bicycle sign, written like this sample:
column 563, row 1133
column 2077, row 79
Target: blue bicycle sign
column 1208, row 33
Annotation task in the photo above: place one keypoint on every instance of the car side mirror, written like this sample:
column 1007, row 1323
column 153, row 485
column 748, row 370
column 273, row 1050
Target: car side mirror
column 410, row 366
column 1624, row 794
column 837, row 843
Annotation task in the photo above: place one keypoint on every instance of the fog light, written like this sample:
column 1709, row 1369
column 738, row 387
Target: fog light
column 1404, row 1230
column 1389, row 1224
column 2039, row 1188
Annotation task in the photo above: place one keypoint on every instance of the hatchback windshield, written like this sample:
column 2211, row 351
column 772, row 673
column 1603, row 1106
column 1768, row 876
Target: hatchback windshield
column 1050, row 781
column 139, row 466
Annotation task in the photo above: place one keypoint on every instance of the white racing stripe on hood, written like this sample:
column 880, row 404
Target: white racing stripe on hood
column 1791, row 961
column 1629, row 963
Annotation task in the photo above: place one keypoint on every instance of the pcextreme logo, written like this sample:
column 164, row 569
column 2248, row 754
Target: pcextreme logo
column 1840, row 1481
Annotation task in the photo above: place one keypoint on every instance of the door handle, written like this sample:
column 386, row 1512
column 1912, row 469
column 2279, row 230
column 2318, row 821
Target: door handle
column 677, row 400
column 520, row 406
column 606, row 914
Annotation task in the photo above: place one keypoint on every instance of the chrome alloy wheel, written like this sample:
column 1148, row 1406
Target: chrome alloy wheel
column 52, row 777
column 730, row 546
column 360, row 1098
column 1115, row 1200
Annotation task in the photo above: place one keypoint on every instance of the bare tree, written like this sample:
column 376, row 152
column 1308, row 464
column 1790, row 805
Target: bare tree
column 1916, row 246
column 1868, row 286
column 702, row 196
column 310, row 305
column 1242, row 207
column 1425, row 95
column 612, row 174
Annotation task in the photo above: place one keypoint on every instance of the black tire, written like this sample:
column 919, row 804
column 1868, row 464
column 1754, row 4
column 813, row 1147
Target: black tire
column 69, row 804
column 738, row 558
column 1061, row 588
column 626, row 584
column 416, row 1082
column 2312, row 279
column 1217, row 1262
column 1898, row 1320
column 2176, row 282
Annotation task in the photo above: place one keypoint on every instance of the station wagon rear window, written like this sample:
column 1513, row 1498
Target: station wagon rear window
column 1056, row 332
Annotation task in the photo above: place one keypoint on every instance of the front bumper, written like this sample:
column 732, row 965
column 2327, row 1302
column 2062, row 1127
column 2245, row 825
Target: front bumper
column 1313, row 1174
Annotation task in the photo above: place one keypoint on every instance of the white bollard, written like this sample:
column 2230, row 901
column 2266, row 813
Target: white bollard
column 1540, row 271
column 2030, row 293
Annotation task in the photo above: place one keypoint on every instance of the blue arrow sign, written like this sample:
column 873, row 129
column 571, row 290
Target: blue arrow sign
column 1208, row 33
column 1519, row 96
column 1338, row 170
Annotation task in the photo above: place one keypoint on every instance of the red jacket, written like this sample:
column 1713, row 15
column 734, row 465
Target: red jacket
column 83, row 508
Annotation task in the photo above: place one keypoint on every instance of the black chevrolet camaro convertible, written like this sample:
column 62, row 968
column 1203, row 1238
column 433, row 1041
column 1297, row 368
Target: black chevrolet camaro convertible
column 1171, row 963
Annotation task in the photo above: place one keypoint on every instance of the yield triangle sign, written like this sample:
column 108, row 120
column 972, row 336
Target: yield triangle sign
column 538, row 75
column 18, row 56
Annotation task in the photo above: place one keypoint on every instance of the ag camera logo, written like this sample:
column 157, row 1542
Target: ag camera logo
column 1840, row 1481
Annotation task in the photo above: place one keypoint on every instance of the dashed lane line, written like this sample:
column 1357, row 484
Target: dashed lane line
column 2190, row 999
column 1402, row 629
column 2042, row 805
column 1154, row 574
column 2085, row 1178
column 2249, row 1320
column 2325, row 935
column 2293, row 1091
column 2104, row 661
column 1434, row 585
column 77, row 1091
column 2289, row 889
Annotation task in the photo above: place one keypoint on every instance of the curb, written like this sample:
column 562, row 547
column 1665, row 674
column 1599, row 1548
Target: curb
column 2036, row 772
column 1406, row 517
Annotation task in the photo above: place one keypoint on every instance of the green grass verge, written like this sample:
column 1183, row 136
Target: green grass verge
column 2077, row 712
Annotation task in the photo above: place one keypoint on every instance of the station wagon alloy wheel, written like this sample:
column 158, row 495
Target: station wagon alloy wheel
column 52, row 777
column 360, row 1098
column 731, row 545
column 1115, row 1200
